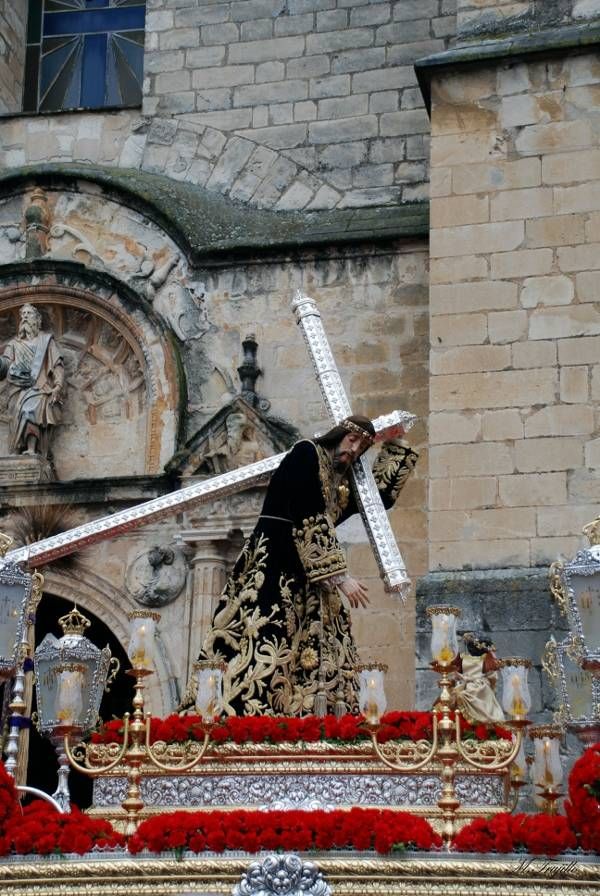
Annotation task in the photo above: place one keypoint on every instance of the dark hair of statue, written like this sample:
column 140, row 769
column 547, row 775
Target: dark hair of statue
column 334, row 436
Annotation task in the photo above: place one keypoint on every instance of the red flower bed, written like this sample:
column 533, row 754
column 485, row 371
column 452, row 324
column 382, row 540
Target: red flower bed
column 279, row 729
column 9, row 803
column 40, row 829
column 583, row 805
column 538, row 834
column 360, row 829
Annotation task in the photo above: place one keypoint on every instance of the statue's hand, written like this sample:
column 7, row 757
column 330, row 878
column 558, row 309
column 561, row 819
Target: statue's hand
column 355, row 591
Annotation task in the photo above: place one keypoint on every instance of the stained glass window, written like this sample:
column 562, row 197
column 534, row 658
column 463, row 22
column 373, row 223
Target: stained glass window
column 84, row 54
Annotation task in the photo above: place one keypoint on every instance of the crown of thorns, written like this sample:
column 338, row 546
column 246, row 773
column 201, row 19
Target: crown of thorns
column 350, row 426
column 479, row 644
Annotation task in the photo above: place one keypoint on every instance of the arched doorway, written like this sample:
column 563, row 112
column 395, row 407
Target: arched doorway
column 42, row 758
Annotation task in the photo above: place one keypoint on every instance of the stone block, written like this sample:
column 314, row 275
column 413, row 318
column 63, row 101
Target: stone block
column 586, row 286
column 371, row 14
column 343, row 129
column 559, row 230
column 459, row 329
column 592, row 455
column 583, row 486
column 332, row 20
column 574, row 384
column 455, row 270
column 202, row 15
column 548, row 454
column 223, row 76
column 571, row 167
column 466, row 148
column 496, row 174
column 384, row 101
column 336, row 85
column 524, row 263
column 345, row 156
column 496, row 389
column 156, row 62
column 259, row 29
column 334, row 41
column 306, row 111
column 263, row 50
column 571, row 320
column 457, row 298
column 222, row 34
column 274, row 92
column 581, row 198
column 172, row 82
column 246, row 10
column 455, row 210
column 230, row 163
column 447, row 428
column 373, row 176
column 480, row 554
column 308, row 67
column 468, row 492
column 174, row 103
column 554, row 136
column 533, row 489
column 569, row 521
column 555, row 290
column 534, row 354
column 579, row 258
column 480, row 459
column 389, row 150
column 179, row 38
column 411, row 121
column 516, row 111
column 560, row 420
column 501, row 425
column 501, row 236
column 205, row 57
column 394, row 77
column 585, row 350
column 344, row 107
column 358, row 60
column 289, row 25
column 496, row 523
column 515, row 204
column 282, row 136
column 467, row 359
column 269, row 71
column 295, row 197
column 513, row 79
column 209, row 100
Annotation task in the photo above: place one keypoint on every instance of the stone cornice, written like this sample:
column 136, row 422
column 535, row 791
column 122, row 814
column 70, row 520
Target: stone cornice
column 210, row 226
column 516, row 48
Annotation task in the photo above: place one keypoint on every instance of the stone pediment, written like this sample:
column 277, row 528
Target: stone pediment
column 235, row 436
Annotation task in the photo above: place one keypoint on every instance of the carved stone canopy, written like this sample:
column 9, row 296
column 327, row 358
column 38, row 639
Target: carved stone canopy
column 235, row 436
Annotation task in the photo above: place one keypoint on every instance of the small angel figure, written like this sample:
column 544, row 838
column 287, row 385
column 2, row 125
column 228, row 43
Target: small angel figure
column 474, row 691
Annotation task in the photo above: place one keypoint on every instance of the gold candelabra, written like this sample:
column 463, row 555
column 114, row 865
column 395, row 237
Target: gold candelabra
column 135, row 752
column 448, row 748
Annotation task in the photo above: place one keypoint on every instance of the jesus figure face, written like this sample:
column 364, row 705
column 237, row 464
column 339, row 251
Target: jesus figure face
column 347, row 450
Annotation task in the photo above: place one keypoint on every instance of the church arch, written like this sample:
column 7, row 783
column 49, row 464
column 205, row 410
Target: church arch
column 126, row 390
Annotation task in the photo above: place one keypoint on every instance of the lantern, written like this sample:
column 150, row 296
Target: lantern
column 516, row 699
column 444, row 641
column 209, row 688
column 372, row 701
column 141, row 638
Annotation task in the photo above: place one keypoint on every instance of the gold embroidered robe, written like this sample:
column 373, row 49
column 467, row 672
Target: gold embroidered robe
column 280, row 626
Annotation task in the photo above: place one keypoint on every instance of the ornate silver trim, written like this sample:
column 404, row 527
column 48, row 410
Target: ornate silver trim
column 285, row 875
column 388, row 556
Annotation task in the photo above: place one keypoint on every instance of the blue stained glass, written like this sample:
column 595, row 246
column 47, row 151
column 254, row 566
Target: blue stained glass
column 93, row 21
column 93, row 78
column 90, row 54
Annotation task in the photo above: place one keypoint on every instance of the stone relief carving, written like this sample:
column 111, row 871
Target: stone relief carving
column 241, row 446
column 83, row 247
column 33, row 367
column 83, row 372
column 156, row 577
column 37, row 225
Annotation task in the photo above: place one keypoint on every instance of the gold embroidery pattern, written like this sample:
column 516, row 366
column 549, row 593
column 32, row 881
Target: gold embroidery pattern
column 318, row 548
column 333, row 485
column 395, row 462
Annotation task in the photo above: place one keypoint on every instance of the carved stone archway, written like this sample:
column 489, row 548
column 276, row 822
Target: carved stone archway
column 121, row 369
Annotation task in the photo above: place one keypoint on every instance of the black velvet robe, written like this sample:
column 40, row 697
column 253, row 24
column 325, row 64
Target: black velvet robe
column 280, row 626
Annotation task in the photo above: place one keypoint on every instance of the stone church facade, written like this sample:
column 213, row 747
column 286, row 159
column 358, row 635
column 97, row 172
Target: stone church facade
column 428, row 171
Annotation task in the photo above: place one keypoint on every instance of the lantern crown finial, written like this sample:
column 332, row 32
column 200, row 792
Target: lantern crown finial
column 74, row 622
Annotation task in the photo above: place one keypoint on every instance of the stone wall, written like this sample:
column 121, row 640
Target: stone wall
column 514, row 318
column 288, row 104
column 13, row 22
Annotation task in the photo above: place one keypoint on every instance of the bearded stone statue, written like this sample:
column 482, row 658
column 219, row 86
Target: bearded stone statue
column 33, row 368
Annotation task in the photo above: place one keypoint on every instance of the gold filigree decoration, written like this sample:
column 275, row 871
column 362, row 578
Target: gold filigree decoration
column 556, row 586
column 5, row 542
column 318, row 548
column 550, row 663
column 394, row 464
column 592, row 531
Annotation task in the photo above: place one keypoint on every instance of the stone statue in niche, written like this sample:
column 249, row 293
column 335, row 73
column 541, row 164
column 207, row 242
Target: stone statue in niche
column 240, row 448
column 37, row 225
column 33, row 367
column 156, row 577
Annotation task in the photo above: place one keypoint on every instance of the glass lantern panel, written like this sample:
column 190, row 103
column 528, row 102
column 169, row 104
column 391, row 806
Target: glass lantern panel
column 578, row 683
column 587, row 599
column 11, row 611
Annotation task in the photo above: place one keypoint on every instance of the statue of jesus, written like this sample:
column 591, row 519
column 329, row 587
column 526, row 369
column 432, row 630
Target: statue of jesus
column 33, row 368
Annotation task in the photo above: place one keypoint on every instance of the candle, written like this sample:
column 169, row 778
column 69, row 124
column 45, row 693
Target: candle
column 69, row 701
column 141, row 640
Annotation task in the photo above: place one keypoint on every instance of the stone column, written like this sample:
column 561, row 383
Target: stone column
column 209, row 571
